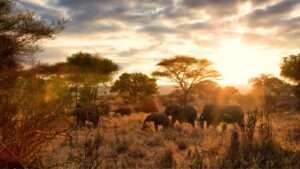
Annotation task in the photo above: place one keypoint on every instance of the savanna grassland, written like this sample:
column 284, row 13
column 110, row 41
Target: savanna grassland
column 84, row 110
column 123, row 144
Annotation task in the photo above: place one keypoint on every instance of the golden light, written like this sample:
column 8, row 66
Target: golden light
column 238, row 62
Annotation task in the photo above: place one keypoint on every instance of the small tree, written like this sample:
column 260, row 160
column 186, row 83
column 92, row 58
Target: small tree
column 134, row 86
column 186, row 72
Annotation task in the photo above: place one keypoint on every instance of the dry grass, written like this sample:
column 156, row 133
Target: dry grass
column 125, row 145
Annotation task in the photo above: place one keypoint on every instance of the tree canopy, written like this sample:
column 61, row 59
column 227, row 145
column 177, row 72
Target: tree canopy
column 135, row 86
column 19, row 32
column 290, row 68
column 268, row 88
column 186, row 72
column 82, row 68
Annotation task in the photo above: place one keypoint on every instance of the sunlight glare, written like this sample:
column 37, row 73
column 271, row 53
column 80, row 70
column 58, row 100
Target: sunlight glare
column 237, row 62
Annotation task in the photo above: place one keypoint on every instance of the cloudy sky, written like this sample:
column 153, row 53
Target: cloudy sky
column 242, row 37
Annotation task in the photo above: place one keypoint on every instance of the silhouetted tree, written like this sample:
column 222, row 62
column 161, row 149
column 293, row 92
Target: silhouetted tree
column 186, row 72
column 229, row 95
column 83, row 69
column 28, row 120
column 290, row 69
column 267, row 88
column 19, row 33
column 135, row 86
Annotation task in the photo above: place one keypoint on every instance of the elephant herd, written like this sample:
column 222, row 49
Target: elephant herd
column 212, row 115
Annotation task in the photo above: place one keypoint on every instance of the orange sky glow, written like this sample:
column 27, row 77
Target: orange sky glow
column 242, row 38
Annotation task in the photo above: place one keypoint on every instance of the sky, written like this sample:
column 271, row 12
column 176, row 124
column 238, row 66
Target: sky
column 243, row 38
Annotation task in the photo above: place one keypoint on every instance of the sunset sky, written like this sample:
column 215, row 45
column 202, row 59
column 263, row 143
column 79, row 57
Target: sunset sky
column 242, row 37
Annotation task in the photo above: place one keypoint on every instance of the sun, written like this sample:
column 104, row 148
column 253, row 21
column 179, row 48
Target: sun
column 238, row 62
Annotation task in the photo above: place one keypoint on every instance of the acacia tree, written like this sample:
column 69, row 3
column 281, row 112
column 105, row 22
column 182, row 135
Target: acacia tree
column 27, row 120
column 135, row 86
column 19, row 34
column 290, row 69
column 186, row 72
column 85, row 70
column 89, row 70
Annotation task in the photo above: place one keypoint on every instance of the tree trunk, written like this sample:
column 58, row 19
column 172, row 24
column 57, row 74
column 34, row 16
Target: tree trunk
column 185, row 98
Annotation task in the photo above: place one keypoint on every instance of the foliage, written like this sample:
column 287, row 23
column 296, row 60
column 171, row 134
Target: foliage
column 268, row 89
column 167, row 159
column 135, row 86
column 19, row 33
column 186, row 72
column 30, row 119
column 290, row 68
column 83, row 71
column 208, row 90
column 86, row 153
column 89, row 68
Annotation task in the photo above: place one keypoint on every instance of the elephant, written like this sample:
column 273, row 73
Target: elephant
column 89, row 113
column 215, row 114
column 158, row 119
column 182, row 114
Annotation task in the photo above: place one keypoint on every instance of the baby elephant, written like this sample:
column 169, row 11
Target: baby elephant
column 158, row 119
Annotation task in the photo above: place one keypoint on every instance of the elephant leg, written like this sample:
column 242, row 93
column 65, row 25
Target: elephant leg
column 95, row 123
column 193, row 123
column 224, row 126
column 208, row 125
column 156, row 126
column 173, row 121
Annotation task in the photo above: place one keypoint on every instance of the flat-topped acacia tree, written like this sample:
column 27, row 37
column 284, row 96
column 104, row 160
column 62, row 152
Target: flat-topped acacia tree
column 186, row 72
column 83, row 69
column 90, row 70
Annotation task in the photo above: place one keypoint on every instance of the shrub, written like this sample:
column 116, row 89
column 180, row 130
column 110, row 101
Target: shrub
column 136, row 153
column 197, row 160
column 120, row 145
column 167, row 160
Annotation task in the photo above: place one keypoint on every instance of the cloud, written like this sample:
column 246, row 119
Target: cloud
column 154, row 29
column 46, row 13
column 214, row 7
column 271, row 15
column 144, row 31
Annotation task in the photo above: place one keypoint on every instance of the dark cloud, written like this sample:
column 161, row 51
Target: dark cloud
column 197, row 26
column 214, row 7
column 136, row 51
column 181, row 19
column 86, row 15
column 154, row 29
column 45, row 13
column 272, row 14
column 90, row 28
